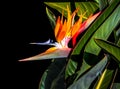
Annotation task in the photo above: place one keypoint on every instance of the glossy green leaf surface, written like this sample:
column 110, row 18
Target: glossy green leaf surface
column 111, row 48
column 72, row 65
column 104, row 31
column 105, row 79
column 88, row 7
column 117, row 36
column 51, row 74
column 51, row 17
column 103, row 4
column 85, row 81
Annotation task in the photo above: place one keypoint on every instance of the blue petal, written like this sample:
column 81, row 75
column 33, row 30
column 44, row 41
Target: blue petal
column 49, row 42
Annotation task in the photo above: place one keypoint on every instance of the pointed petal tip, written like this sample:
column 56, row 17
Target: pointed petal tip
column 22, row 60
column 33, row 43
column 26, row 59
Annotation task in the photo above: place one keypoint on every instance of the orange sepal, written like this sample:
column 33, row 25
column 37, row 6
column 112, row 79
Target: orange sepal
column 57, row 27
column 62, row 32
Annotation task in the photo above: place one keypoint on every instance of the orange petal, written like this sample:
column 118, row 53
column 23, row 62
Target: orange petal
column 91, row 19
column 84, row 26
column 62, row 32
column 57, row 27
column 78, row 23
column 76, row 27
column 69, row 21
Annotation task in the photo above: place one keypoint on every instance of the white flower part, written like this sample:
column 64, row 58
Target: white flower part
column 58, row 45
column 43, row 43
column 65, row 41
column 62, row 44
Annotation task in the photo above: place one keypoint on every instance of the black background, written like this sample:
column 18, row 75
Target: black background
column 27, row 22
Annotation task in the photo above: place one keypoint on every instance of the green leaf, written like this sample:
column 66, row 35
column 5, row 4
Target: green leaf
column 72, row 64
column 103, row 1
column 51, row 18
column 107, row 77
column 85, row 81
column 116, row 86
column 116, row 83
column 118, row 43
column 59, row 82
column 117, row 36
column 88, row 61
column 83, row 68
column 90, row 7
column 103, row 4
column 59, row 6
column 42, row 84
column 104, row 31
column 111, row 48
column 52, row 73
column 96, row 1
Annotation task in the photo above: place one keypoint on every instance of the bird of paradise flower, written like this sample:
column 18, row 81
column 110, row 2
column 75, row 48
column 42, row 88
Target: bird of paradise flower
column 64, row 31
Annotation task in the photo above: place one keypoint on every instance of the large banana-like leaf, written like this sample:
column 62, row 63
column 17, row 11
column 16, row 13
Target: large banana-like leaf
column 51, row 74
column 111, row 48
column 72, row 65
column 104, row 31
column 85, row 81
column 88, row 7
